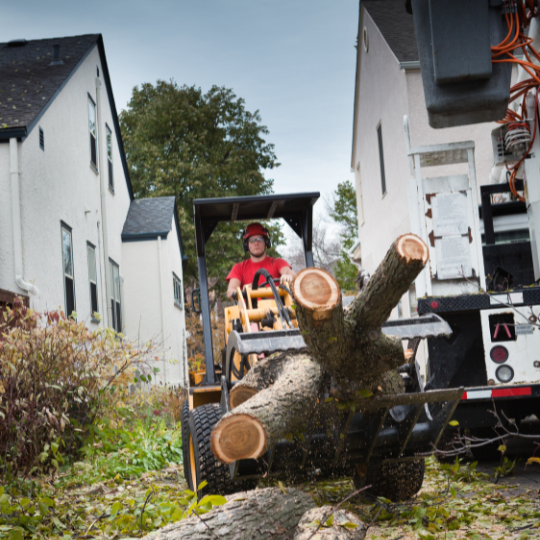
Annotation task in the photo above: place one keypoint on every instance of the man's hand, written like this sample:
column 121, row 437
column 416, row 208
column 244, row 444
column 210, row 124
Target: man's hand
column 286, row 279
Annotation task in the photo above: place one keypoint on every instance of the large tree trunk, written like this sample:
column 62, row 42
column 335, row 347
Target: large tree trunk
column 262, row 375
column 349, row 343
column 348, row 354
column 271, row 413
column 264, row 514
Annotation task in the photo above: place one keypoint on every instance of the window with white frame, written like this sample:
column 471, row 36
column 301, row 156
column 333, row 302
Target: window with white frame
column 92, row 278
column 109, row 157
column 69, row 274
column 92, row 126
column 116, row 305
column 177, row 285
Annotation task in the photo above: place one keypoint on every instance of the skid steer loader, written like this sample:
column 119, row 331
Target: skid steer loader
column 378, row 445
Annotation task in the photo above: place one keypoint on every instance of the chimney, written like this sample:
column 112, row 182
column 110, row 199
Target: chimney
column 57, row 61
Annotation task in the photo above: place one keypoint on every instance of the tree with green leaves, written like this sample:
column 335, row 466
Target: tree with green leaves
column 344, row 212
column 181, row 142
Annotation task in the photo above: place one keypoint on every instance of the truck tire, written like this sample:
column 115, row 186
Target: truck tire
column 184, row 420
column 397, row 481
column 204, row 465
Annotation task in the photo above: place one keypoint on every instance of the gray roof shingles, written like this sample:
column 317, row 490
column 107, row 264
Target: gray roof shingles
column 149, row 217
column 396, row 26
column 27, row 80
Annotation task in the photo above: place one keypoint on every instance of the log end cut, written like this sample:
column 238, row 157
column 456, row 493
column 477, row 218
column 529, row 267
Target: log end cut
column 238, row 436
column 317, row 291
column 412, row 248
column 240, row 394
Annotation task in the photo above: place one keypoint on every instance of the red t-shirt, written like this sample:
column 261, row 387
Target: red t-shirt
column 246, row 270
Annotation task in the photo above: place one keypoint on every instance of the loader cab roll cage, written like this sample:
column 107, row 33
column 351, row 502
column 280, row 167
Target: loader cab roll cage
column 295, row 208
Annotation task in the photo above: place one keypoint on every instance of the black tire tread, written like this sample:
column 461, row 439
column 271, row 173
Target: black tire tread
column 397, row 481
column 184, row 420
column 212, row 470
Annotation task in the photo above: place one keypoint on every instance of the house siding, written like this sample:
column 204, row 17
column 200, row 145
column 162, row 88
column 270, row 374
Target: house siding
column 381, row 99
column 7, row 261
column 58, row 184
column 151, row 313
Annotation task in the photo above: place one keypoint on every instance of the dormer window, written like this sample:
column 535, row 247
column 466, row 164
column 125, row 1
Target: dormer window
column 92, row 126
column 41, row 139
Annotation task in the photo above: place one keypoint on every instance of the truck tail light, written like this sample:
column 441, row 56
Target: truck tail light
column 499, row 354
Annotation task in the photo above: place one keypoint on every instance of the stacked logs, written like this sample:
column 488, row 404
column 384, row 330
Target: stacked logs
column 346, row 352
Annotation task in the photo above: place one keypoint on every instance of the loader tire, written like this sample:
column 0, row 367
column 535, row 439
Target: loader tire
column 205, row 466
column 184, row 419
column 397, row 481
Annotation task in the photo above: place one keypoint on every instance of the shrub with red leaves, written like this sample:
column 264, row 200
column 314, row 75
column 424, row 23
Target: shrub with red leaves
column 55, row 375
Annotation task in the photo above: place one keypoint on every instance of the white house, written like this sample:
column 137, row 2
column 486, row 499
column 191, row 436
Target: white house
column 389, row 86
column 65, row 194
column 152, row 247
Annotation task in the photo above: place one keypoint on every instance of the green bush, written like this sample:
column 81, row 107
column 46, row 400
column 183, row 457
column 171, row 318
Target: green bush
column 55, row 376
column 133, row 448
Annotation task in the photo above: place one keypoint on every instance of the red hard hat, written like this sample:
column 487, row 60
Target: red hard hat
column 254, row 229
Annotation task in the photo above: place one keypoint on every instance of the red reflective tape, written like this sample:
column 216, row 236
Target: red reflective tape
column 509, row 392
column 464, row 396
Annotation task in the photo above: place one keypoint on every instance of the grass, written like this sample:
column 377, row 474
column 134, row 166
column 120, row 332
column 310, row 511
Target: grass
column 129, row 481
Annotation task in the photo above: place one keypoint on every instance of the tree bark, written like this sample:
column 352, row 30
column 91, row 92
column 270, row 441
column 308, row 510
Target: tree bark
column 262, row 375
column 261, row 514
column 272, row 413
column 266, row 514
column 347, row 351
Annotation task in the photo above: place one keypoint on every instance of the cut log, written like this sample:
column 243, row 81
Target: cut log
column 335, row 525
column 271, row 414
column 392, row 279
column 261, row 514
column 262, row 375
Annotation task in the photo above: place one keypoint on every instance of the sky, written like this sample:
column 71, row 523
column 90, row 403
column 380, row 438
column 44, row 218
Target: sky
column 293, row 60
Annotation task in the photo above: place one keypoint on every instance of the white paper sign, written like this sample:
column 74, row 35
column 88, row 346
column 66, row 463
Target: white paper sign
column 453, row 257
column 450, row 214
column 524, row 329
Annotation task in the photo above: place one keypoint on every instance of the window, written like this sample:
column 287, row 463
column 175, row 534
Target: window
column 41, row 139
column 92, row 126
column 116, row 306
column 69, row 276
column 381, row 159
column 97, row 71
column 109, row 157
column 177, row 285
column 92, row 278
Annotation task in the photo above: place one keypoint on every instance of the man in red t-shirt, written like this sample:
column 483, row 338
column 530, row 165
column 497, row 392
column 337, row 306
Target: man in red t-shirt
column 256, row 240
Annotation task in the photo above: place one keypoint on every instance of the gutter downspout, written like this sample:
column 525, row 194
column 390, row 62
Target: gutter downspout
column 162, row 305
column 103, row 193
column 31, row 289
